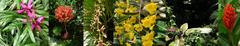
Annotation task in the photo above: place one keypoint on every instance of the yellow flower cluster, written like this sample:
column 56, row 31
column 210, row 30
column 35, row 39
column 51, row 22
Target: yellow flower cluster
column 131, row 9
column 120, row 4
column 123, row 7
column 131, row 20
column 147, row 39
column 151, row 8
column 119, row 11
column 134, row 24
column 130, row 35
column 127, row 44
column 128, row 27
column 149, row 21
column 118, row 29
column 138, row 27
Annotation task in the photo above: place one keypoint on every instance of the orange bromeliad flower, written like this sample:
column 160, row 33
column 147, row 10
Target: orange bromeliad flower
column 229, row 17
column 63, row 13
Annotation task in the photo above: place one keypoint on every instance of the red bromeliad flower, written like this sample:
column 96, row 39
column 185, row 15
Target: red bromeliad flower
column 229, row 17
column 63, row 13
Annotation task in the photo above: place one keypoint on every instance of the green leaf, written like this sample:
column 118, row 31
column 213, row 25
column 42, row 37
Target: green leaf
column 10, row 27
column 39, row 6
column 177, row 42
column 16, row 41
column 237, row 26
column 161, row 25
column 23, row 35
column 42, row 12
column 28, row 28
column 57, row 30
column 234, row 1
column 31, row 36
column 221, row 28
column 223, row 42
column 18, row 4
column 236, row 30
column 25, row 40
column 184, row 27
column 3, row 4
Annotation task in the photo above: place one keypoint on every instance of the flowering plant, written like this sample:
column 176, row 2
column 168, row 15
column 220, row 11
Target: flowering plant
column 139, row 24
column 229, row 23
column 19, row 19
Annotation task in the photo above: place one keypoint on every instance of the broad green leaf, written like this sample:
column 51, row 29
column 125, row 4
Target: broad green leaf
column 184, row 27
column 236, row 31
column 177, row 42
column 237, row 26
column 222, row 42
column 221, row 28
column 174, row 43
column 159, row 35
column 161, row 25
column 200, row 30
column 234, row 1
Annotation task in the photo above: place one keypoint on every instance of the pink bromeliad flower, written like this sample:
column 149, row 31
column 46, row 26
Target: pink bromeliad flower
column 35, row 22
column 27, row 9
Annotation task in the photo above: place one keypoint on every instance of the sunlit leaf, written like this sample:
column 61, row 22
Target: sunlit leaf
column 184, row 27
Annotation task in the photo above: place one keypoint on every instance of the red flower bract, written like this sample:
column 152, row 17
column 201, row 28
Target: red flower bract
column 229, row 17
column 63, row 14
